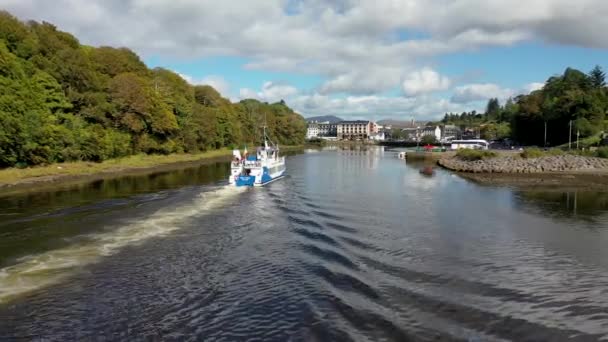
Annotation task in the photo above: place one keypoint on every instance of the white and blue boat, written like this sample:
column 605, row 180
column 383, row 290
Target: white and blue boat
column 258, row 169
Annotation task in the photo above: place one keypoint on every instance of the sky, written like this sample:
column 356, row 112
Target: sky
column 374, row 59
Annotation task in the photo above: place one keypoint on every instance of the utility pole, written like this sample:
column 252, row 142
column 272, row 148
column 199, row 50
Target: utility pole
column 545, row 133
column 577, row 134
column 570, row 136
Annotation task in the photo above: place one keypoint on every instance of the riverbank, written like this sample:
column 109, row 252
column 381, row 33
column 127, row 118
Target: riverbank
column 515, row 164
column 549, row 182
column 16, row 180
column 548, row 172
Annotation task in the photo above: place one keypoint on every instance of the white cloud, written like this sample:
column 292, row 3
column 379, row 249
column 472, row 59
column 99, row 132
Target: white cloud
column 217, row 82
column 355, row 106
column 374, row 107
column 530, row 87
column 480, row 92
column 363, row 81
column 271, row 92
column 353, row 46
column 424, row 81
column 350, row 43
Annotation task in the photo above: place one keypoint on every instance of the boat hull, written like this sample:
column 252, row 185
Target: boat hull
column 258, row 176
column 270, row 181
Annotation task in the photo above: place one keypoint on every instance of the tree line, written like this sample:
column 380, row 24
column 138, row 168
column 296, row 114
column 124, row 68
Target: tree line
column 63, row 101
column 567, row 104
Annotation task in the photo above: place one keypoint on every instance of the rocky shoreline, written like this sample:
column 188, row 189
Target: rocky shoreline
column 517, row 165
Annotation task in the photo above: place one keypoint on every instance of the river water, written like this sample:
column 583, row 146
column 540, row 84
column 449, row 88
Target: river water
column 354, row 244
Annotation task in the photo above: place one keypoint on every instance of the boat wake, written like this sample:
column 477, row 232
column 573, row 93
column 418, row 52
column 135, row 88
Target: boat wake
column 38, row 271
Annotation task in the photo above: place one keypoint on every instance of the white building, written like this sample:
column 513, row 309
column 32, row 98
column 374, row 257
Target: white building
column 434, row 131
column 327, row 129
column 442, row 133
column 380, row 136
column 321, row 130
column 312, row 131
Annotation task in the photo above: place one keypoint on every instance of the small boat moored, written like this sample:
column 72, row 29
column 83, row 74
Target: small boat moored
column 427, row 171
column 258, row 169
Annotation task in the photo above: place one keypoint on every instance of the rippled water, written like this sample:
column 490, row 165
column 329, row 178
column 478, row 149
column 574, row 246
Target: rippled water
column 353, row 245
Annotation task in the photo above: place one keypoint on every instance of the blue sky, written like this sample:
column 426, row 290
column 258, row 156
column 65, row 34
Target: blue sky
column 355, row 59
column 522, row 63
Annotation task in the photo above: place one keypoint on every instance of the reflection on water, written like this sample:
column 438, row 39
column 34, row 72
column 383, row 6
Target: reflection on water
column 582, row 204
column 45, row 220
column 354, row 244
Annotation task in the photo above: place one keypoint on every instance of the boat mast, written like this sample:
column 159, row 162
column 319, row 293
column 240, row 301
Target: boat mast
column 267, row 139
column 264, row 130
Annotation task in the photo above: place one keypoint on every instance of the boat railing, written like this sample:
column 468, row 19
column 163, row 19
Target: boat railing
column 247, row 163
column 251, row 163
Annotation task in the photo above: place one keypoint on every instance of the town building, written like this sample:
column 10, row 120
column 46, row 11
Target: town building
column 449, row 132
column 441, row 133
column 358, row 129
column 379, row 136
column 412, row 133
column 312, row 131
column 321, row 130
column 346, row 130
column 434, row 131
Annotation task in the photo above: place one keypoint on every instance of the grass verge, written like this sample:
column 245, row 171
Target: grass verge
column 534, row 152
column 14, row 175
column 472, row 155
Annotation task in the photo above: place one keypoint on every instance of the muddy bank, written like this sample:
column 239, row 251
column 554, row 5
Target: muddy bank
column 550, row 181
column 51, row 181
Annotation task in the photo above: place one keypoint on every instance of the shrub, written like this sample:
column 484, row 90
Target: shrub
column 428, row 140
column 532, row 152
column 472, row 155
column 316, row 141
column 602, row 152
column 555, row 152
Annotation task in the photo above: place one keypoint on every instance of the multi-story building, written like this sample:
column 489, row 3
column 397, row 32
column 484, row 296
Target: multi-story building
column 321, row 130
column 442, row 133
column 434, row 131
column 359, row 129
column 328, row 129
column 312, row 131
column 412, row 133
column 449, row 132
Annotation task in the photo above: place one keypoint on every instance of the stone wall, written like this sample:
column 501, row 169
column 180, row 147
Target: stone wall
column 516, row 164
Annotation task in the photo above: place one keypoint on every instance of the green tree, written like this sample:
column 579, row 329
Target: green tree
column 493, row 109
column 428, row 140
column 62, row 101
column 598, row 77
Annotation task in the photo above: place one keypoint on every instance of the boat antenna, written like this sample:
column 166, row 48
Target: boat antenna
column 265, row 136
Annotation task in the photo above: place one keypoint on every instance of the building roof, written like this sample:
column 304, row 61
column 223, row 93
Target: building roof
column 354, row 122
